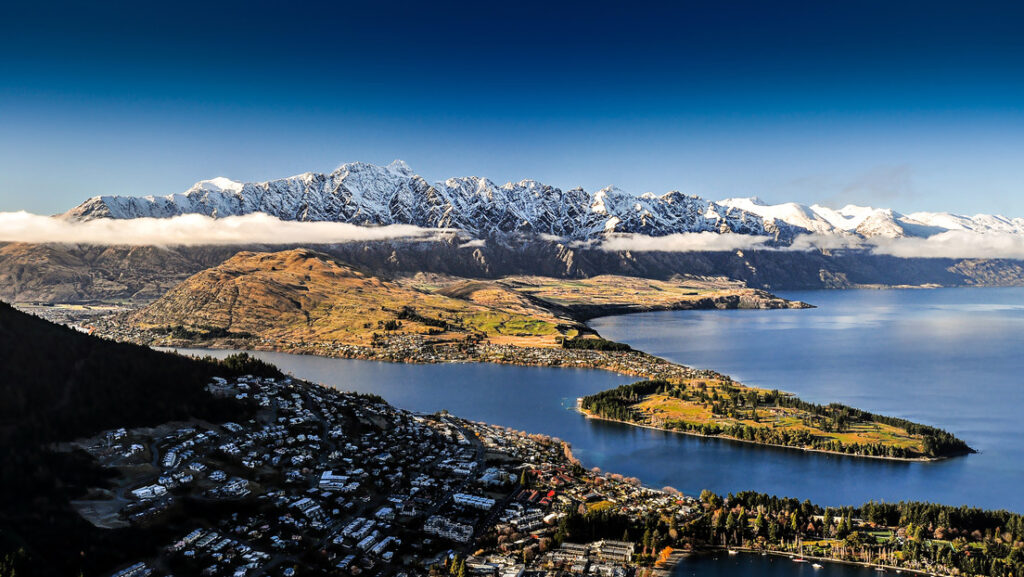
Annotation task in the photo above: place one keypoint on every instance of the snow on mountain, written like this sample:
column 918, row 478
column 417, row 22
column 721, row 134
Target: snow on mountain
column 867, row 222
column 219, row 184
column 366, row 194
column 790, row 213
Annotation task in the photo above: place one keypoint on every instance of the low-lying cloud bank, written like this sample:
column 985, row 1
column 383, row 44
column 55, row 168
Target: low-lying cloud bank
column 259, row 228
column 950, row 244
column 955, row 244
column 195, row 229
column 684, row 242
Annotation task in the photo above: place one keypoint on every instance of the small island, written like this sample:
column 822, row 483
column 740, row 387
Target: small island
column 713, row 405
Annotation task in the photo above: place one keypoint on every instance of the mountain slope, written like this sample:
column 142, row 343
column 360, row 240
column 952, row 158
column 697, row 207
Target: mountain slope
column 53, row 273
column 59, row 384
column 82, row 273
column 303, row 295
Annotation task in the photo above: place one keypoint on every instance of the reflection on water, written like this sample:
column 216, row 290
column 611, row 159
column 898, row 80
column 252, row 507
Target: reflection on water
column 749, row 565
column 949, row 358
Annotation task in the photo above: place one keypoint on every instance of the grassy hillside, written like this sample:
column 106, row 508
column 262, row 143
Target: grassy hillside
column 611, row 294
column 719, row 406
column 303, row 295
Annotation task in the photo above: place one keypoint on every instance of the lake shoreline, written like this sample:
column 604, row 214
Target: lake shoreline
column 591, row 415
column 807, row 558
column 632, row 363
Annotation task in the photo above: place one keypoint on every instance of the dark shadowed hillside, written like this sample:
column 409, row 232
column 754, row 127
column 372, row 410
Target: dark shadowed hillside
column 82, row 273
column 58, row 384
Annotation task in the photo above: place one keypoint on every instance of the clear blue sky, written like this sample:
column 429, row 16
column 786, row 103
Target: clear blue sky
column 913, row 105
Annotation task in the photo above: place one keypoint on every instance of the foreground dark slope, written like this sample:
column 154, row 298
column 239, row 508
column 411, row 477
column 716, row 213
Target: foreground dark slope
column 58, row 384
column 81, row 273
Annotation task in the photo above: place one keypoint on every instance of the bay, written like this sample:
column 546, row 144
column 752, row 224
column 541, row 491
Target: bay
column 949, row 358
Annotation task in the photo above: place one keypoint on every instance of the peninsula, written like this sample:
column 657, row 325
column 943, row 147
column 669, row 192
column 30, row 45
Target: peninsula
column 307, row 302
column 714, row 405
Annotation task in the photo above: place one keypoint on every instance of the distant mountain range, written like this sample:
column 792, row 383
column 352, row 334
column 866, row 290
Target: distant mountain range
column 366, row 194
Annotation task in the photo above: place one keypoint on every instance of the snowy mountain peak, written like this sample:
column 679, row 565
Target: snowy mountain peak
column 218, row 184
column 367, row 194
column 400, row 167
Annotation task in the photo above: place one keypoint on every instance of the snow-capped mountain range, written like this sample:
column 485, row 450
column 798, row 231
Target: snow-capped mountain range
column 367, row 194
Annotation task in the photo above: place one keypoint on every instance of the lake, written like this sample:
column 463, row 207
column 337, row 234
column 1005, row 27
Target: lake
column 948, row 357
column 749, row 565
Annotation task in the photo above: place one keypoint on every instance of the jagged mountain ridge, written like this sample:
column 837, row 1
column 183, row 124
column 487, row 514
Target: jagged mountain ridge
column 367, row 194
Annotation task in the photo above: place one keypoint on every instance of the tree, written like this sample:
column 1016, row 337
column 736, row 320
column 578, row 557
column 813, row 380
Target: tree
column 759, row 524
column 730, row 525
column 524, row 480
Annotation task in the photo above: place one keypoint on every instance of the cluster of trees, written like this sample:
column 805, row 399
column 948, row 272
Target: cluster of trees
column 201, row 332
column 408, row 313
column 456, row 566
column 937, row 442
column 389, row 325
column 238, row 364
column 940, row 538
column 594, row 344
column 615, row 403
column 909, row 534
column 736, row 403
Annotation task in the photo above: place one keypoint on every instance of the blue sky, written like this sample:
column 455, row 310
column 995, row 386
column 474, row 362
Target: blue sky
column 917, row 106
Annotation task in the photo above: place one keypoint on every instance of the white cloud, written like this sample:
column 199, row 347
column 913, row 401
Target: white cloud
column 684, row 242
column 949, row 244
column 825, row 242
column 260, row 228
column 194, row 229
column 549, row 237
column 954, row 244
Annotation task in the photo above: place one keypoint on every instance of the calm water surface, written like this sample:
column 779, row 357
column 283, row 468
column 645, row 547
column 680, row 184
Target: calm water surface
column 949, row 357
column 757, row 566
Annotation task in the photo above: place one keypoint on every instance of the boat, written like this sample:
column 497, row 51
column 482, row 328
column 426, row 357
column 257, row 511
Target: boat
column 733, row 552
column 817, row 565
column 799, row 560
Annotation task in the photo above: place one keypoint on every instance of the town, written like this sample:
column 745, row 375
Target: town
column 346, row 484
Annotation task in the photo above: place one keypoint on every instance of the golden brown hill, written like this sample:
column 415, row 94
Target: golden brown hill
column 613, row 294
column 305, row 296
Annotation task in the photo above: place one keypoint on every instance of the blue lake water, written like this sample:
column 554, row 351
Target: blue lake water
column 744, row 565
column 949, row 358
